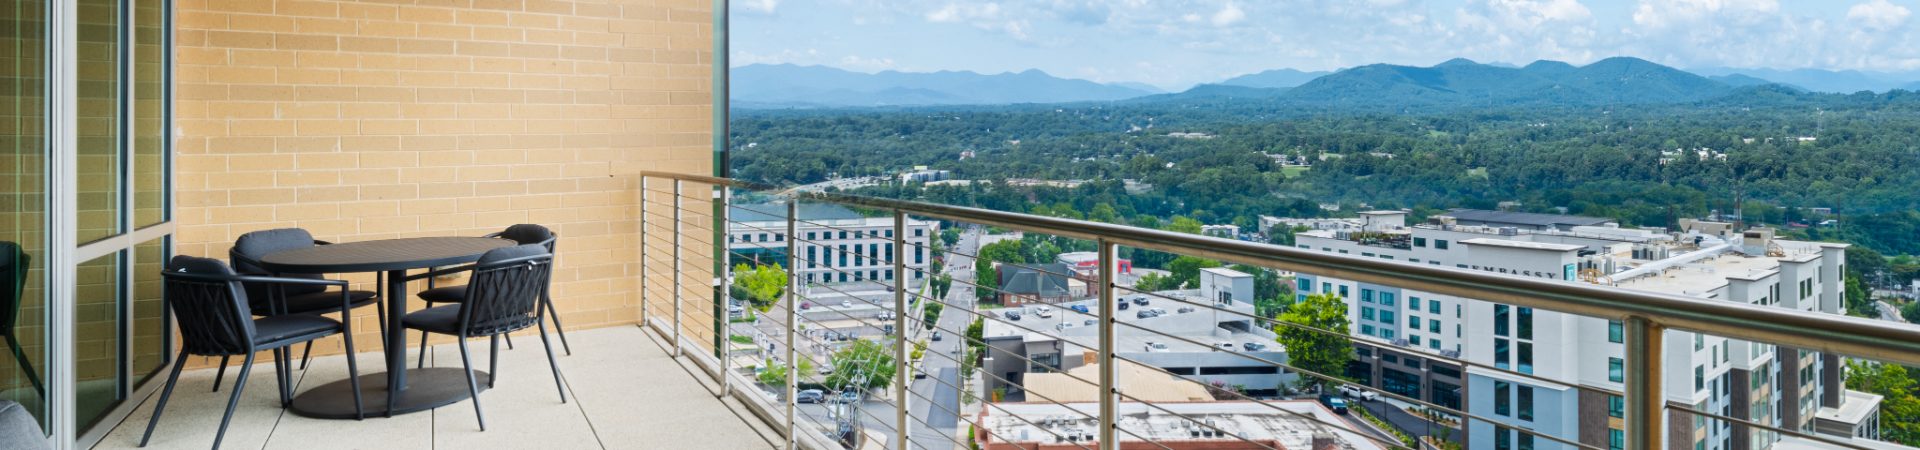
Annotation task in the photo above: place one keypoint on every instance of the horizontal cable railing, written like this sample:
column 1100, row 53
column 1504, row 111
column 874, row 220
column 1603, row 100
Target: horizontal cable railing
column 695, row 203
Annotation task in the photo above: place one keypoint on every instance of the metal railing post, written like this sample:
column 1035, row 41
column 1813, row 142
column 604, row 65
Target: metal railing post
column 676, row 268
column 901, row 363
column 792, row 327
column 722, row 302
column 1109, row 404
column 1643, row 383
column 645, row 318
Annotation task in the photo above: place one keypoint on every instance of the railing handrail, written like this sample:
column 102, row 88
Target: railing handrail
column 1865, row 338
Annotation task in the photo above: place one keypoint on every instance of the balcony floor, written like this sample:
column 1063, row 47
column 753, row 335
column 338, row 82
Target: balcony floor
column 625, row 393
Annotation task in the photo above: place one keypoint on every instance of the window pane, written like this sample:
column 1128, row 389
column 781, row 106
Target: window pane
column 99, row 121
column 149, row 325
column 22, row 208
column 96, row 337
column 149, row 130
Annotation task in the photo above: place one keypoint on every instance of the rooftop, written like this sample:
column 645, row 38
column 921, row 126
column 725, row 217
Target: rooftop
column 1523, row 218
column 1139, row 382
column 1854, row 409
column 1704, row 275
column 777, row 212
column 1275, row 422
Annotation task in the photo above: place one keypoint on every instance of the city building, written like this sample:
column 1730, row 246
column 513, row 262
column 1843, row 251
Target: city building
column 1087, row 264
column 837, row 245
column 1398, row 331
column 1044, row 283
column 1521, row 220
column 1224, row 425
column 921, row 174
column 1225, row 231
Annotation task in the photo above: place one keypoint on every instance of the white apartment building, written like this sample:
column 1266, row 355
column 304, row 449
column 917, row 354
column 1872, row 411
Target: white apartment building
column 837, row 245
column 1398, row 332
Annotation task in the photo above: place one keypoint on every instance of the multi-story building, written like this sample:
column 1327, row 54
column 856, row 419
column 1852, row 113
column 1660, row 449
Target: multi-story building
column 837, row 245
column 1399, row 332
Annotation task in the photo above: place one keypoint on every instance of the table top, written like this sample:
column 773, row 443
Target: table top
column 382, row 255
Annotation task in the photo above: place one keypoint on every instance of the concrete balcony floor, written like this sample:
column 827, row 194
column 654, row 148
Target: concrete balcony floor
column 626, row 393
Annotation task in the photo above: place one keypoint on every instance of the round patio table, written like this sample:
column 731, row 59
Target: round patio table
column 419, row 389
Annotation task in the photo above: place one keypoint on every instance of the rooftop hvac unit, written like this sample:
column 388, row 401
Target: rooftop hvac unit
column 1400, row 342
column 1509, row 231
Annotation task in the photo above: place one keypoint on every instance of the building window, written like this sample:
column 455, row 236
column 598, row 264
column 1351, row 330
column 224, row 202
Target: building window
column 1433, row 344
column 1440, row 244
column 1433, row 326
column 1366, row 312
column 1386, row 316
column 1500, row 351
column 1501, row 323
column 1413, row 322
column 1526, row 441
column 1343, row 292
column 1616, row 332
column 1526, row 403
column 888, row 233
column 1386, row 299
column 1616, row 439
column 1414, row 339
column 1699, row 378
column 1502, row 438
column 1616, row 406
column 1413, row 303
column 1503, row 398
column 1433, row 306
column 1526, row 358
column 1616, row 370
column 1420, row 242
column 1366, row 329
column 1526, row 323
column 1306, row 285
column 1386, row 333
column 1366, row 295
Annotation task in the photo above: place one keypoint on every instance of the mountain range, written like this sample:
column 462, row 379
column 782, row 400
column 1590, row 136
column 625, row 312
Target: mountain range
column 786, row 85
column 1458, row 82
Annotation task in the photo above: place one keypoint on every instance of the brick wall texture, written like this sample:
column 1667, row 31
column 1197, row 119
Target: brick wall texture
column 361, row 120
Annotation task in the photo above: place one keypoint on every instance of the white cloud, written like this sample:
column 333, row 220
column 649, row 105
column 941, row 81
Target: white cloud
column 1878, row 14
column 858, row 63
column 1229, row 15
column 759, row 6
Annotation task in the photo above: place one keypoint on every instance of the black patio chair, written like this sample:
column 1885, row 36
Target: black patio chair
column 270, row 300
column 211, row 304
column 13, row 284
column 523, row 234
column 503, row 295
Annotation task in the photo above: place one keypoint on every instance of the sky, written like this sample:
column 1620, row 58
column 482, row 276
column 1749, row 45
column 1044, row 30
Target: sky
column 1174, row 44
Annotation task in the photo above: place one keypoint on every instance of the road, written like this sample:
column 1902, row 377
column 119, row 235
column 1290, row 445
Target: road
column 943, row 372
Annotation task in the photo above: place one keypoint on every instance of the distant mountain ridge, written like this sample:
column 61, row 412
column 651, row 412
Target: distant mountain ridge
column 787, row 85
column 1832, row 81
column 1277, row 78
column 1618, row 80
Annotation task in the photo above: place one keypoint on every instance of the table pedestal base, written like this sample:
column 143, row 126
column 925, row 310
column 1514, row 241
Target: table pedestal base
column 427, row 389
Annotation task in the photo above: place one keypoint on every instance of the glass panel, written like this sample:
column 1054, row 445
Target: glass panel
column 22, row 207
column 97, row 332
column 99, row 123
column 149, row 128
column 149, row 351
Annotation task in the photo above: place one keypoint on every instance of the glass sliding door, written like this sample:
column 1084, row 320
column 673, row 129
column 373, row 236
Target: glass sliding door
column 23, row 96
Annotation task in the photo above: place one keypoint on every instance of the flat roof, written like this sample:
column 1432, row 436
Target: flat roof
column 1285, row 423
column 1138, row 381
column 1523, row 244
column 1853, row 409
column 1698, row 277
column 1225, row 272
column 777, row 212
column 1524, row 218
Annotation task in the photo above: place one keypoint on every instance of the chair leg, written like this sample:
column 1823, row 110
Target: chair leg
column 380, row 310
column 179, row 362
column 353, row 375
column 509, row 342
column 32, row 376
column 493, row 362
column 305, row 355
column 239, row 386
column 557, row 329
column 562, row 386
column 283, row 366
column 221, row 373
column 473, row 387
column 423, row 349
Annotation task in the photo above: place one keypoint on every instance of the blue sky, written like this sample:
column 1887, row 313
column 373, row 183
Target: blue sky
column 1174, row 44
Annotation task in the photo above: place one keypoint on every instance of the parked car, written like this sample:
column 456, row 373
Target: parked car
column 1123, row 306
column 1156, row 347
column 1352, row 391
column 1334, row 402
column 847, row 397
column 1013, row 315
column 1254, row 346
column 1081, row 309
column 810, row 396
column 919, row 374
column 805, row 305
column 1143, row 314
column 1062, row 326
column 1185, row 310
column 1157, row 312
column 846, row 303
column 1088, row 322
column 1142, row 301
column 884, row 316
column 1223, row 345
column 936, row 335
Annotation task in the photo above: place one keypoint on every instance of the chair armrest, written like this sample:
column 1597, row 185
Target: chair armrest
column 446, row 271
column 285, row 280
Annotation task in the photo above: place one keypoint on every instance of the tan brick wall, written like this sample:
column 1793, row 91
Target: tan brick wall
column 364, row 120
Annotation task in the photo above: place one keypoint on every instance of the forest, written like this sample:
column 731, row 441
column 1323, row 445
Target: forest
column 1772, row 154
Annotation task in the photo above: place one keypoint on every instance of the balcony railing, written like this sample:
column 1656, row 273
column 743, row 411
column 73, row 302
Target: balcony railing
column 688, row 280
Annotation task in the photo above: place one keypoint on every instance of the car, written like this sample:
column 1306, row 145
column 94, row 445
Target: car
column 1143, row 314
column 1141, row 301
column 1013, row 315
column 1157, row 312
column 1123, row 306
column 846, row 303
column 1045, row 313
column 1088, row 323
column 1352, row 391
column 1253, row 346
column 1062, row 326
column 805, row 305
column 886, row 329
column 1185, row 310
column 1334, row 402
column 1080, row 309
column 1223, row 345
column 825, row 369
column 936, row 336
column 884, row 316
column 847, row 397
column 919, row 374
column 1156, row 347
column 810, row 396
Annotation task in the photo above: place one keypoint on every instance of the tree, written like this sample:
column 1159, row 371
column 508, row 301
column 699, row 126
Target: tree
column 1184, row 224
column 1282, row 234
column 865, row 364
column 1155, row 282
column 931, row 313
column 1185, row 270
column 1007, row 251
column 950, row 236
column 1911, row 312
column 1271, row 295
column 776, row 372
column 761, row 285
column 1900, row 409
column 1859, row 298
column 1326, row 351
column 940, row 285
